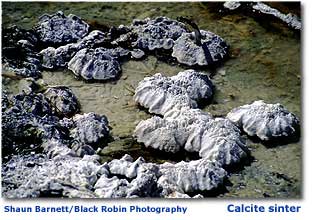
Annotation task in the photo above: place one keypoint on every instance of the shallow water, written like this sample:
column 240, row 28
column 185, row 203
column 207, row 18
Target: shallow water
column 265, row 63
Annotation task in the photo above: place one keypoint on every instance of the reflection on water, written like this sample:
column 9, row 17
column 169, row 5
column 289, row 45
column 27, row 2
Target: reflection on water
column 264, row 64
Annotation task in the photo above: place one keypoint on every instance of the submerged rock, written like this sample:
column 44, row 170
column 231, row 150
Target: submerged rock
column 53, row 58
column 60, row 29
column 193, row 130
column 62, row 100
column 158, row 33
column 160, row 94
column 96, row 64
column 267, row 121
column 213, row 49
column 29, row 85
column 19, row 58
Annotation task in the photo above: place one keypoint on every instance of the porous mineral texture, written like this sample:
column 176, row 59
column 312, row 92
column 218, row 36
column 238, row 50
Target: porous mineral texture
column 158, row 33
column 65, row 175
column 35, row 175
column 32, row 122
column 216, row 139
column 213, row 49
column 59, row 29
column 62, row 100
column 53, row 58
column 97, row 64
column 187, row 177
column 89, row 128
column 160, row 94
column 266, row 121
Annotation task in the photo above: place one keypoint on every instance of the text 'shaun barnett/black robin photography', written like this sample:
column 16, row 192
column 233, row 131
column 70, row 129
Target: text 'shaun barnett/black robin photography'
column 154, row 99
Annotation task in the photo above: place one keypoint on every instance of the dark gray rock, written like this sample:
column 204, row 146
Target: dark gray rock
column 5, row 101
column 96, row 64
column 36, row 104
column 62, row 100
column 160, row 94
column 158, row 33
column 267, row 121
column 213, row 49
column 60, row 29
column 29, row 122
column 19, row 57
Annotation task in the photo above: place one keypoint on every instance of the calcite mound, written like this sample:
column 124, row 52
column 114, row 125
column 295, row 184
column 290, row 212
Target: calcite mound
column 65, row 175
column 89, row 128
column 95, row 64
column 213, row 49
column 59, row 57
column 158, row 33
column 35, row 175
column 62, row 100
column 193, row 130
column 266, row 121
column 160, row 94
column 59, row 29
column 188, row 177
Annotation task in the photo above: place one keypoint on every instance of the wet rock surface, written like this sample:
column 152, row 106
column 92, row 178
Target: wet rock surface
column 18, row 53
column 61, row 29
column 160, row 94
column 266, row 121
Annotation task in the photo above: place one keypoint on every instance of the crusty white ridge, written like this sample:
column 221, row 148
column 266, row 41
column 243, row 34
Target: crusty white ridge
column 160, row 94
column 193, row 130
column 267, row 121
